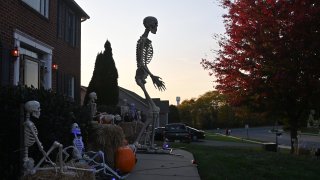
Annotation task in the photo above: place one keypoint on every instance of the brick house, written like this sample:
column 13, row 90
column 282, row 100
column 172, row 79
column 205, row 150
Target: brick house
column 47, row 36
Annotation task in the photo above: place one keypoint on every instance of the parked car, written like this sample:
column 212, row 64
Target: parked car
column 159, row 133
column 195, row 133
column 177, row 132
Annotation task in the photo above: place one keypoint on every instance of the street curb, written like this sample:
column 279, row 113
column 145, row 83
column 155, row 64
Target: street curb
column 242, row 139
column 309, row 134
column 256, row 142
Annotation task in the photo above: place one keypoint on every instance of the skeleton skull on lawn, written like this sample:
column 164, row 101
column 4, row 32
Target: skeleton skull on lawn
column 151, row 23
column 93, row 97
column 33, row 108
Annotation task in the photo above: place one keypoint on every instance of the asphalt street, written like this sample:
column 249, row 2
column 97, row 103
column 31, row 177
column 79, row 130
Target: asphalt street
column 265, row 134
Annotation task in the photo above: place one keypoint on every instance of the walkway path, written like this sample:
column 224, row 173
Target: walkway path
column 175, row 166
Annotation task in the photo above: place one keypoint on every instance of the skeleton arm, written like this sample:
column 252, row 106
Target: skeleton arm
column 158, row 83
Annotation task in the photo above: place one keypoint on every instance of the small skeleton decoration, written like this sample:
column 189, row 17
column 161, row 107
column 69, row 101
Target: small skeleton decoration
column 96, row 160
column 31, row 137
column 312, row 122
column 77, row 141
column 144, row 53
column 124, row 108
column 92, row 103
column 105, row 118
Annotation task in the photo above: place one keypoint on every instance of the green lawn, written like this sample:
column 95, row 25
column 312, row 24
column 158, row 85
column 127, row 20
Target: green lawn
column 250, row 163
column 216, row 137
column 311, row 130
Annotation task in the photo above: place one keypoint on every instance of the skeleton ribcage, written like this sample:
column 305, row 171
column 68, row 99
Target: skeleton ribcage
column 144, row 52
column 29, row 138
column 78, row 143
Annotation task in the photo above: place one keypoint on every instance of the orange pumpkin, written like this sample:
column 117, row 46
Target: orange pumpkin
column 125, row 159
column 125, row 142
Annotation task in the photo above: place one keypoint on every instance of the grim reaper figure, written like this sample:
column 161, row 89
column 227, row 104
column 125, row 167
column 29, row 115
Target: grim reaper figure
column 144, row 53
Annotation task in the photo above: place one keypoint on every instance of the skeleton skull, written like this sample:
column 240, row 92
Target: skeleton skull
column 75, row 129
column 151, row 23
column 33, row 107
column 117, row 118
column 93, row 96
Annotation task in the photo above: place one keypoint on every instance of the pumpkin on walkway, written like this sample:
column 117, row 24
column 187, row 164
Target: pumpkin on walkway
column 125, row 159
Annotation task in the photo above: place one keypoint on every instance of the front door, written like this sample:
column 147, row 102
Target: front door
column 30, row 71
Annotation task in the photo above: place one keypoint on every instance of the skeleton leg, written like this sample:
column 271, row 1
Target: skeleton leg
column 148, row 98
column 101, row 166
column 153, row 108
column 91, row 159
column 46, row 156
column 152, row 118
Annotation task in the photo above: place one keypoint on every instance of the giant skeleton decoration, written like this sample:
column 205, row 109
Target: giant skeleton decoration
column 144, row 53
column 31, row 137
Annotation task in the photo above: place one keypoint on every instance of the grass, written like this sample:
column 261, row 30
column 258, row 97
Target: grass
column 250, row 163
column 310, row 130
column 215, row 137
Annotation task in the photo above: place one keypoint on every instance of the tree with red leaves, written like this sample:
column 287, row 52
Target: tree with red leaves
column 270, row 57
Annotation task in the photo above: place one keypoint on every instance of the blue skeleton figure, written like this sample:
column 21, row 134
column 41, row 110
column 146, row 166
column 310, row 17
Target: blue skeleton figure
column 77, row 141
column 95, row 159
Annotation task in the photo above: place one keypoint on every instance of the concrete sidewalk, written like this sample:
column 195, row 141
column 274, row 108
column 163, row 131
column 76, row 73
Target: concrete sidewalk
column 175, row 166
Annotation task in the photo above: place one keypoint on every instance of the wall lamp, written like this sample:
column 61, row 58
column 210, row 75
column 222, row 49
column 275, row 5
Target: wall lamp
column 15, row 52
column 55, row 66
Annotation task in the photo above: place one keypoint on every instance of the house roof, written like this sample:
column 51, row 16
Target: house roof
column 164, row 105
column 134, row 95
column 77, row 8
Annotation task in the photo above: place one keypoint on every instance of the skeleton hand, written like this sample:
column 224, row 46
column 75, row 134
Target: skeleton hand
column 28, row 164
column 158, row 83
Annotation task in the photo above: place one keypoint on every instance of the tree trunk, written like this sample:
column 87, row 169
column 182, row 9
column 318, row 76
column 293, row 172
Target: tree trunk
column 294, row 138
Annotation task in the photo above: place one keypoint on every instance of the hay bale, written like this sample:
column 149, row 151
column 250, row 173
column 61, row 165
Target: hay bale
column 68, row 175
column 131, row 130
column 106, row 138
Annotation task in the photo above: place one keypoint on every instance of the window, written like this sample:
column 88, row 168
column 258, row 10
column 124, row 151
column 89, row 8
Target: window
column 30, row 72
column 70, row 28
column 70, row 87
column 34, row 70
column 68, row 24
column 42, row 6
column 65, row 84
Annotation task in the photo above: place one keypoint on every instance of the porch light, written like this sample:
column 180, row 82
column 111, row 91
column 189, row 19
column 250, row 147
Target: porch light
column 55, row 66
column 15, row 52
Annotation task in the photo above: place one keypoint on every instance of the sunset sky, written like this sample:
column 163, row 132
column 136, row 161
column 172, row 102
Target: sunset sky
column 184, row 37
